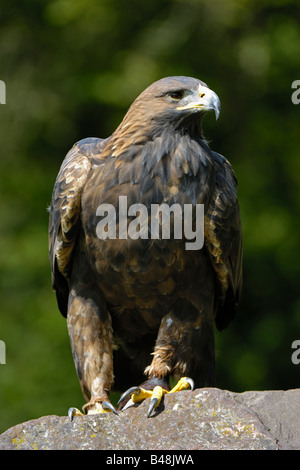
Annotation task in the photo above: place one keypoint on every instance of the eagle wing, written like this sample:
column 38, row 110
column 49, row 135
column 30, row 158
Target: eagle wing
column 223, row 240
column 65, row 210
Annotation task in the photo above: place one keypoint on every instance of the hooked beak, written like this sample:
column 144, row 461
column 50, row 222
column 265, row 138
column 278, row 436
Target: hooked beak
column 207, row 100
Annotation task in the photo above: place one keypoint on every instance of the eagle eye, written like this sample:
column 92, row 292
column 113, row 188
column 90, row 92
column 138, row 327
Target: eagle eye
column 176, row 95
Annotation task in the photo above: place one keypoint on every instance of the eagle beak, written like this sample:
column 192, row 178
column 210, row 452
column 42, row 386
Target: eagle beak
column 207, row 100
column 210, row 100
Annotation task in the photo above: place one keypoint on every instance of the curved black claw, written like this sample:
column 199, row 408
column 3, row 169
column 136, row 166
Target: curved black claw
column 153, row 404
column 73, row 412
column 130, row 391
column 107, row 406
column 191, row 382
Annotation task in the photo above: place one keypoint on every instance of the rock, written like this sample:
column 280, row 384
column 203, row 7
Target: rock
column 206, row 418
column 279, row 411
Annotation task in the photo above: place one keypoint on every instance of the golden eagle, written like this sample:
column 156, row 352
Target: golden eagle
column 127, row 297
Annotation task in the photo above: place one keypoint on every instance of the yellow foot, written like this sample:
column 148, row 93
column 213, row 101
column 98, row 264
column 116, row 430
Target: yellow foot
column 103, row 407
column 138, row 394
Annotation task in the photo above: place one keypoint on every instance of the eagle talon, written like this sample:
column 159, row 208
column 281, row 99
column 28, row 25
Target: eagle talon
column 128, row 405
column 103, row 407
column 191, row 382
column 183, row 384
column 73, row 412
column 153, row 404
column 137, row 394
column 157, row 394
column 107, row 406
column 132, row 390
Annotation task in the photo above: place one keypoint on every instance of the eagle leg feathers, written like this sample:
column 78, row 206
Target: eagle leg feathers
column 91, row 337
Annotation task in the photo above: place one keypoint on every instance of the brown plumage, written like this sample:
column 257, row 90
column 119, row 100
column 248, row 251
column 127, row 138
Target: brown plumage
column 125, row 299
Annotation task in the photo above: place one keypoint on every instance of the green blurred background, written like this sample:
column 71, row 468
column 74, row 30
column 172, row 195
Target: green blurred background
column 72, row 68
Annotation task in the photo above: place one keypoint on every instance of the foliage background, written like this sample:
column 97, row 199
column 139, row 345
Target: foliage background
column 72, row 68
